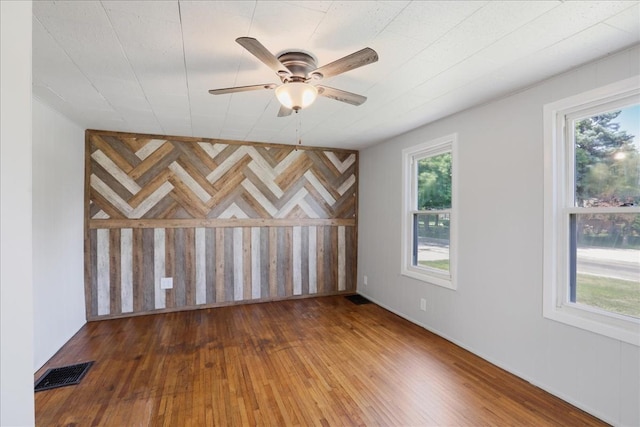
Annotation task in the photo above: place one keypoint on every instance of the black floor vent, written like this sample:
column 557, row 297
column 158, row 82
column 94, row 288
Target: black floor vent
column 60, row 377
column 358, row 299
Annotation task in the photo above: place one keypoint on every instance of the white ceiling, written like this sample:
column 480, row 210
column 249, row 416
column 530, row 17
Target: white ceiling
column 144, row 66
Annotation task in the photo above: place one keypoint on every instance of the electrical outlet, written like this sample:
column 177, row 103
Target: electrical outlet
column 423, row 304
column 166, row 283
column 365, row 280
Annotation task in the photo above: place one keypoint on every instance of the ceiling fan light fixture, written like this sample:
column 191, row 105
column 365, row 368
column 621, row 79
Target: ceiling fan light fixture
column 296, row 95
column 295, row 68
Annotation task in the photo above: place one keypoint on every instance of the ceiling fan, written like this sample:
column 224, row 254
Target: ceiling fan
column 296, row 69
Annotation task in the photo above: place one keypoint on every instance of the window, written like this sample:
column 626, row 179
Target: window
column 592, row 211
column 428, row 220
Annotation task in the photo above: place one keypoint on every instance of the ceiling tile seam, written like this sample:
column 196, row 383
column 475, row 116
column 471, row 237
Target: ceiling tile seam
column 186, row 69
column 509, row 92
column 613, row 27
column 35, row 82
column 454, row 27
column 324, row 16
column 484, row 48
column 255, row 123
column 446, row 94
column 376, row 36
column 133, row 71
column 301, row 4
column 478, row 52
column 621, row 12
column 235, row 80
column 52, row 91
column 535, row 53
column 602, row 21
column 77, row 68
column 253, row 15
column 510, row 33
column 393, row 19
column 398, row 96
column 424, row 49
column 526, row 86
column 580, row 32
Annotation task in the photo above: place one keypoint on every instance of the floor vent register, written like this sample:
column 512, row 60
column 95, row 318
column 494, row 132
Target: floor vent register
column 358, row 299
column 63, row 376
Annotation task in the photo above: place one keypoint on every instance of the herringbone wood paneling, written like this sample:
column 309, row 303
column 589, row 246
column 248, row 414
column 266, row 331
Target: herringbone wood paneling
column 230, row 222
column 135, row 177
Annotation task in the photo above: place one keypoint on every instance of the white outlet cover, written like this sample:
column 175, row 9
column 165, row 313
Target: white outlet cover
column 166, row 283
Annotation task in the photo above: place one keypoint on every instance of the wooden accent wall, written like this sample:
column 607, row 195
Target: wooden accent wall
column 229, row 221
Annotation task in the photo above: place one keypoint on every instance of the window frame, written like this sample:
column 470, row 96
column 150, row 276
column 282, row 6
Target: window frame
column 559, row 206
column 410, row 157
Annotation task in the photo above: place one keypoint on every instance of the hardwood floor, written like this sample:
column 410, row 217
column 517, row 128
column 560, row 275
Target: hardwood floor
column 319, row 361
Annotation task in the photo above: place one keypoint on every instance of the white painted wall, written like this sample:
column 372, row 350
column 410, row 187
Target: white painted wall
column 16, row 291
column 58, row 207
column 497, row 310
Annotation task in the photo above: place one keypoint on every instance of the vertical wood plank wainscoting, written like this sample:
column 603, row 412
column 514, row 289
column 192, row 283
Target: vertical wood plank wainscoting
column 228, row 221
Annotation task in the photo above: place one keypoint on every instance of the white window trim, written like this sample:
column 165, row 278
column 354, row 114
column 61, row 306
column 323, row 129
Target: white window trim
column 434, row 147
column 557, row 207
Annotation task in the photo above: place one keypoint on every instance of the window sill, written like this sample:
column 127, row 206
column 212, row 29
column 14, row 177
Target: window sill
column 428, row 276
column 622, row 328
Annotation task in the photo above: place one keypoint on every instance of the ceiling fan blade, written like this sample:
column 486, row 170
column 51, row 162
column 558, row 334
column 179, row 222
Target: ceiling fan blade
column 241, row 89
column 284, row 111
column 262, row 53
column 341, row 95
column 347, row 63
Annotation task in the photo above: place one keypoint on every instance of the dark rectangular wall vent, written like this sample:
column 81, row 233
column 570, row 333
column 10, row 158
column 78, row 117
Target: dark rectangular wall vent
column 63, row 376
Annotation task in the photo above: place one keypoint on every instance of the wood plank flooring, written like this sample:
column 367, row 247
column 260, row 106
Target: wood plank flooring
column 309, row 362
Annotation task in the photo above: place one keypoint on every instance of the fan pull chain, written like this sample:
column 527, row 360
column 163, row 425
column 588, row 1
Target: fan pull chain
column 298, row 128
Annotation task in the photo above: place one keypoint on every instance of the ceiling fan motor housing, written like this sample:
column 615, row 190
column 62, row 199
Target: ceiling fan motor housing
column 300, row 64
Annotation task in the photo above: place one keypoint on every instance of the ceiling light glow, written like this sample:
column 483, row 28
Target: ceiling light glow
column 296, row 95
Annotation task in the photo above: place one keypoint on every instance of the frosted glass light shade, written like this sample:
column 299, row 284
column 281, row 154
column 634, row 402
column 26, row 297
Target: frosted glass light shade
column 296, row 95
